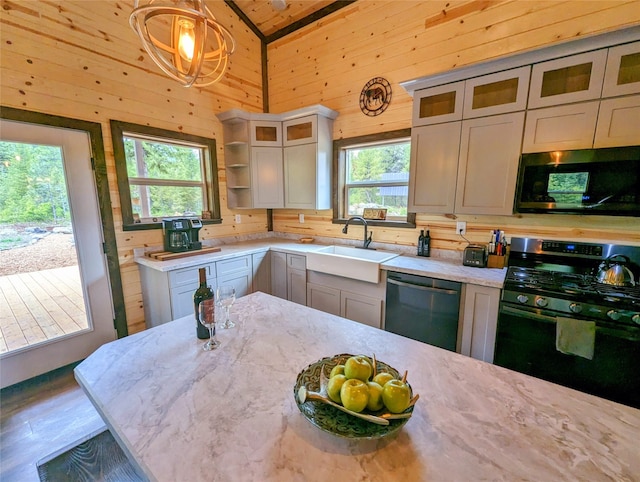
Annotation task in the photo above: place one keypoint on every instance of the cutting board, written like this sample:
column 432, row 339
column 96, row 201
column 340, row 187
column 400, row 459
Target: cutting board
column 166, row 255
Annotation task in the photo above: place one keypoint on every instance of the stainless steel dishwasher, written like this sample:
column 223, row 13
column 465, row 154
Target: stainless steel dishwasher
column 422, row 308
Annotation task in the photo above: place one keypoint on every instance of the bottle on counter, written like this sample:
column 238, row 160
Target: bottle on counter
column 421, row 243
column 203, row 293
column 426, row 245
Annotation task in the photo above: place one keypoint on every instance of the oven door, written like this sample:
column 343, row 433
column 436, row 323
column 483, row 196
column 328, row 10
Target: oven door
column 526, row 342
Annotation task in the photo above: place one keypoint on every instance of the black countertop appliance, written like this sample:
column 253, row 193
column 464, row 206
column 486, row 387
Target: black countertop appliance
column 181, row 234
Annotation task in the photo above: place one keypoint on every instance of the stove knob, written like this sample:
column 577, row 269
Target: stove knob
column 614, row 315
column 636, row 318
column 575, row 307
column 541, row 302
column 522, row 298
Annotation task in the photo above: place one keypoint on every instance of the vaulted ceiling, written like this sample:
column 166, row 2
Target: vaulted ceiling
column 272, row 19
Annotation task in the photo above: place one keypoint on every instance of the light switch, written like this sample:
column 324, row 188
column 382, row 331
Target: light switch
column 238, row 218
column 301, row 218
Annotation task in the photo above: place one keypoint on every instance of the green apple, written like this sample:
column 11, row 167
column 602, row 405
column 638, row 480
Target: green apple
column 358, row 367
column 334, row 385
column 375, row 402
column 337, row 370
column 382, row 378
column 396, row 396
column 354, row 395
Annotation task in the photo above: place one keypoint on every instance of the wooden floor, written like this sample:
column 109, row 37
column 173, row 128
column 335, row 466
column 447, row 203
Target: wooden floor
column 40, row 417
column 39, row 306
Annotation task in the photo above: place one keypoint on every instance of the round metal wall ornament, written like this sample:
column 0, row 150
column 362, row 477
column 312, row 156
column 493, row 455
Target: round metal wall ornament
column 375, row 97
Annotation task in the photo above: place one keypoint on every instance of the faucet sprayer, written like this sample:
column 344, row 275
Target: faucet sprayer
column 367, row 240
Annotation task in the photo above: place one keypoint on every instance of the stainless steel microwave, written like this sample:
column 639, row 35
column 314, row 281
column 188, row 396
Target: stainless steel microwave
column 587, row 181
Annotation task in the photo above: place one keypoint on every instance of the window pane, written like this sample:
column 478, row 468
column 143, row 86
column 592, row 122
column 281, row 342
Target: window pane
column 394, row 198
column 164, row 201
column 378, row 163
column 163, row 160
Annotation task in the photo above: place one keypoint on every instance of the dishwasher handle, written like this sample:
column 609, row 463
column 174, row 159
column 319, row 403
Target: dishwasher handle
column 421, row 287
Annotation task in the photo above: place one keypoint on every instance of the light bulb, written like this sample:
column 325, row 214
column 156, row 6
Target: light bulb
column 186, row 40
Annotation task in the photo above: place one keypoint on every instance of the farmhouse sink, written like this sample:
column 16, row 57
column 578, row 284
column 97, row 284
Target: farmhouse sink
column 355, row 263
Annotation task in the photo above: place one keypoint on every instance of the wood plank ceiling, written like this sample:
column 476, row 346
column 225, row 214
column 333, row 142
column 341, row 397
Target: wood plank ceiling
column 272, row 19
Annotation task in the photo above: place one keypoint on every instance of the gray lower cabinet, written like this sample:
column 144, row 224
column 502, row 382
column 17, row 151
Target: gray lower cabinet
column 479, row 321
column 289, row 276
column 261, row 271
column 324, row 298
column 352, row 299
column 168, row 295
column 237, row 272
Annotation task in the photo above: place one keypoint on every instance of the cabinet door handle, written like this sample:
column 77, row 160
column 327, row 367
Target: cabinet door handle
column 422, row 288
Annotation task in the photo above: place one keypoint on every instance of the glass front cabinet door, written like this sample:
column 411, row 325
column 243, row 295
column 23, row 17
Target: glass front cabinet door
column 622, row 75
column 303, row 130
column 266, row 133
column 497, row 93
column 438, row 104
column 568, row 79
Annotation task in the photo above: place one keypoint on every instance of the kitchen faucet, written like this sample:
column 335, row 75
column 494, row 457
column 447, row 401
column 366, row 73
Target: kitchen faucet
column 367, row 241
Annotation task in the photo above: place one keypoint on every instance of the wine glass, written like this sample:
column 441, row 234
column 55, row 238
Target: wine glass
column 207, row 311
column 226, row 295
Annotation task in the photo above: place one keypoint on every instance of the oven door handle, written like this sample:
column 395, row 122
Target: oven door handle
column 627, row 333
column 528, row 314
column 421, row 287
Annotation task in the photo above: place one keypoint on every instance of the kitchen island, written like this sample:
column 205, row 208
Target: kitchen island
column 181, row 413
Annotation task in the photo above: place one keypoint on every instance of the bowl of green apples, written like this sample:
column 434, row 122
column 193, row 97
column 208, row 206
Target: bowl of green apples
column 354, row 396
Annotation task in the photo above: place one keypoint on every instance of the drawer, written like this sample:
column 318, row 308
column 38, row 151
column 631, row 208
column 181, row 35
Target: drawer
column 233, row 265
column 295, row 261
column 185, row 276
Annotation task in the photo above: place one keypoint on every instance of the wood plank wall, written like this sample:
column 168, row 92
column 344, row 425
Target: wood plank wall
column 329, row 63
column 81, row 59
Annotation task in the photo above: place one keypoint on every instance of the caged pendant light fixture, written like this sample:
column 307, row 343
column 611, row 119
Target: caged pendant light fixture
column 184, row 39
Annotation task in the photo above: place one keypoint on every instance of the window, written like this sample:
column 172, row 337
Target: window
column 373, row 173
column 164, row 174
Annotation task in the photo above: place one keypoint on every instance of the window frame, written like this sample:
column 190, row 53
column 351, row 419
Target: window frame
column 339, row 175
column 212, row 191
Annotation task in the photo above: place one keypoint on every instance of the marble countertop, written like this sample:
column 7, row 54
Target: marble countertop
column 229, row 250
column 443, row 268
column 446, row 269
column 181, row 413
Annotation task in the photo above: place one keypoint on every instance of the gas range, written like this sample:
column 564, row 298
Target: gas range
column 559, row 321
column 562, row 277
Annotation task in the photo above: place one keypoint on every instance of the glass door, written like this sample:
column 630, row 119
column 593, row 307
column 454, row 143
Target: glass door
column 56, row 305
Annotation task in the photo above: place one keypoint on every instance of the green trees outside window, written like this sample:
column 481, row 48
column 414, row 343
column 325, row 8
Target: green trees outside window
column 32, row 185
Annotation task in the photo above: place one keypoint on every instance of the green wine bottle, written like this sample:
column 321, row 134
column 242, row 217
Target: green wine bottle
column 203, row 293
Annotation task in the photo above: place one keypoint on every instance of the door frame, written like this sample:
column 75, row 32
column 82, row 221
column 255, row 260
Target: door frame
column 99, row 166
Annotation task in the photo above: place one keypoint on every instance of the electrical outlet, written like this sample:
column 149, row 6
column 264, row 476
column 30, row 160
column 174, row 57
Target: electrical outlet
column 238, row 218
column 301, row 218
column 461, row 227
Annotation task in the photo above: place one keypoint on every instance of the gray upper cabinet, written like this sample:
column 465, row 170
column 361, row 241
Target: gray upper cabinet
column 302, row 130
column 434, row 167
column 308, row 148
column 562, row 127
column 488, row 164
column 497, row 93
column 267, row 177
column 471, row 124
column 569, row 79
column 279, row 160
column 266, row 133
column 438, row 104
column 622, row 75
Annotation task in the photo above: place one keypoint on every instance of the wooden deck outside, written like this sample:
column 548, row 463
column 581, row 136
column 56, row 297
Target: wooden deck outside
column 39, row 306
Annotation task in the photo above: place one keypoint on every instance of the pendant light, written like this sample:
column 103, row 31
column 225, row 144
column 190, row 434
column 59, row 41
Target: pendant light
column 184, row 39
